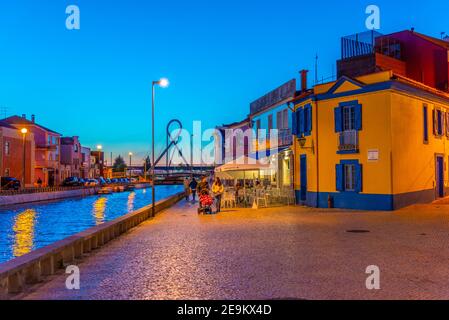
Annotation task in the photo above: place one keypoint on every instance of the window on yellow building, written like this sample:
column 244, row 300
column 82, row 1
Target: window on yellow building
column 438, row 122
column 302, row 121
column 447, row 124
column 348, row 118
column 349, row 176
column 348, row 122
column 425, row 121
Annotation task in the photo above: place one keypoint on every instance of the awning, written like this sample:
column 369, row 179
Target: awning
column 243, row 164
column 267, row 153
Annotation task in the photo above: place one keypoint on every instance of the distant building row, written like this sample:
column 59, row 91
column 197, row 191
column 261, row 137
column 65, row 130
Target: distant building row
column 49, row 157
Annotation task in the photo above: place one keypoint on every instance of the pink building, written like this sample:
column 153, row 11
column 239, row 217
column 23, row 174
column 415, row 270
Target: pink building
column 47, row 145
column 86, row 167
column 71, row 157
column 11, row 154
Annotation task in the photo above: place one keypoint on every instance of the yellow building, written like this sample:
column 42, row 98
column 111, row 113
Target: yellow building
column 377, row 142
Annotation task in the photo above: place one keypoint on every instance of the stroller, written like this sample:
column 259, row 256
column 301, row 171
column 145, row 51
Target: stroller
column 206, row 202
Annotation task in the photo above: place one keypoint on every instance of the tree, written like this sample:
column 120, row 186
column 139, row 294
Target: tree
column 119, row 164
column 147, row 163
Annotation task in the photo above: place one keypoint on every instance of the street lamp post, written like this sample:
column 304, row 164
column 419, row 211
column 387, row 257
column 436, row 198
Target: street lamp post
column 145, row 170
column 130, row 164
column 24, row 132
column 163, row 83
column 191, row 156
column 99, row 148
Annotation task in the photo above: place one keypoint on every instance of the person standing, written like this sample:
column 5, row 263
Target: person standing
column 187, row 188
column 203, row 185
column 193, row 186
column 218, row 190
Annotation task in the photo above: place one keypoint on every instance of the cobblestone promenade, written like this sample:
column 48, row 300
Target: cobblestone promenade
column 279, row 253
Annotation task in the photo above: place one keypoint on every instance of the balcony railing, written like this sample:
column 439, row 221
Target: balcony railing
column 285, row 137
column 47, row 146
column 47, row 163
column 348, row 141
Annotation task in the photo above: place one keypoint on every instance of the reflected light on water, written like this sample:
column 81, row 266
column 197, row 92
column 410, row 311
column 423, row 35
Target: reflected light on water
column 131, row 198
column 24, row 232
column 99, row 210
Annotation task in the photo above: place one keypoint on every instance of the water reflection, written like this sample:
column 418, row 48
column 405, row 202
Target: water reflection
column 24, row 232
column 34, row 225
column 99, row 210
column 131, row 198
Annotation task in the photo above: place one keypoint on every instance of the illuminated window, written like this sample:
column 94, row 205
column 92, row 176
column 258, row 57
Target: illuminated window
column 7, row 148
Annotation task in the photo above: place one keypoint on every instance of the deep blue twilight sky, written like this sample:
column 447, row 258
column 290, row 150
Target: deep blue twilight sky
column 218, row 55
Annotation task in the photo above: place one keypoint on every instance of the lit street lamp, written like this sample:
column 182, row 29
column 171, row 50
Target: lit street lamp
column 99, row 148
column 163, row 83
column 130, row 163
column 24, row 132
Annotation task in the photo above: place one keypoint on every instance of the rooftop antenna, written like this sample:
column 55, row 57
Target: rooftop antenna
column 4, row 111
column 333, row 71
column 316, row 68
column 442, row 35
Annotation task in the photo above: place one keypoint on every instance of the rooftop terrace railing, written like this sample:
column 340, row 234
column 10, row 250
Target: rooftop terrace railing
column 40, row 190
column 359, row 44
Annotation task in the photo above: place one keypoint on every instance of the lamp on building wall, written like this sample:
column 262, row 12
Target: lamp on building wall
column 24, row 132
column 302, row 143
column 163, row 83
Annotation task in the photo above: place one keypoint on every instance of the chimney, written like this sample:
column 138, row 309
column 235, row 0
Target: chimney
column 33, row 118
column 24, row 116
column 303, row 80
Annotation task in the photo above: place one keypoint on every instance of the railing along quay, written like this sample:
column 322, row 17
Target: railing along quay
column 41, row 190
column 17, row 275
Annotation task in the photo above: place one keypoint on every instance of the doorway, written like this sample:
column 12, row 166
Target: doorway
column 303, row 177
column 440, row 176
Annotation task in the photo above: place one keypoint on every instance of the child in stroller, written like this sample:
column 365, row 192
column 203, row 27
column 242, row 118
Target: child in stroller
column 206, row 202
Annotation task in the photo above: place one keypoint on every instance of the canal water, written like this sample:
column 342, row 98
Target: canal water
column 24, row 228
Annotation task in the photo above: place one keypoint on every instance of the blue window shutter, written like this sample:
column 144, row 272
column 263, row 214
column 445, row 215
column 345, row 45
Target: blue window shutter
column 339, row 177
column 358, row 178
column 425, row 119
column 358, row 116
column 447, row 124
column 443, row 123
column 308, row 125
column 301, row 121
column 434, row 122
column 294, row 124
column 338, row 117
